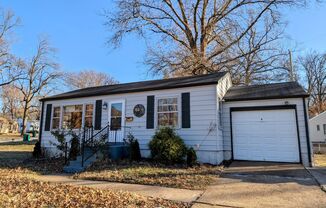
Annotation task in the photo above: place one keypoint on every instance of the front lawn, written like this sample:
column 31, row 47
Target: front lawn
column 320, row 160
column 18, row 190
column 6, row 137
column 147, row 173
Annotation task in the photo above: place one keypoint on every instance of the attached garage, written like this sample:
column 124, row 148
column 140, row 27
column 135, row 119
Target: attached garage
column 266, row 123
column 265, row 134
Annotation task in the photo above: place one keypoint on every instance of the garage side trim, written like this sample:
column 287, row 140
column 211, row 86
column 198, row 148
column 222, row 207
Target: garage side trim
column 307, row 129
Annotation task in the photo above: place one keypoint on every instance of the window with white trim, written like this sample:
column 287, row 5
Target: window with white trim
column 318, row 128
column 324, row 126
column 56, row 117
column 89, row 109
column 167, row 112
column 72, row 117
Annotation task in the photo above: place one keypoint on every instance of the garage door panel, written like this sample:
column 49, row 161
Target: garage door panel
column 269, row 135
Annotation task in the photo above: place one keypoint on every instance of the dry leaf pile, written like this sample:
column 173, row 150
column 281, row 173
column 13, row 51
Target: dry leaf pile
column 17, row 190
column 153, row 174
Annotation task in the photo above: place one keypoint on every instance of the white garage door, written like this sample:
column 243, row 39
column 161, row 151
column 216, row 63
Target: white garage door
column 265, row 135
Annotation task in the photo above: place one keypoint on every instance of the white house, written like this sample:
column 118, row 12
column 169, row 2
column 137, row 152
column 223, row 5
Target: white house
column 317, row 127
column 258, row 123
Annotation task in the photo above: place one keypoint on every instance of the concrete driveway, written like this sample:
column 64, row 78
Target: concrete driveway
column 259, row 184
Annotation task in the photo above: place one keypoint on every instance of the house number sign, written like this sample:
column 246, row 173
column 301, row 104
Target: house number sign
column 139, row 110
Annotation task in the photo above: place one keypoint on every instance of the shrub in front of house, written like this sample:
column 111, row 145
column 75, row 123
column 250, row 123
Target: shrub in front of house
column 167, row 147
column 134, row 150
column 191, row 157
column 37, row 152
column 74, row 147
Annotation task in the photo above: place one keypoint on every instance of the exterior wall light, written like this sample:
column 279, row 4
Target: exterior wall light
column 105, row 106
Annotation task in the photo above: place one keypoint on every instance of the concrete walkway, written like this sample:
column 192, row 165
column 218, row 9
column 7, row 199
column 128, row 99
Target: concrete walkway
column 320, row 175
column 249, row 184
column 183, row 195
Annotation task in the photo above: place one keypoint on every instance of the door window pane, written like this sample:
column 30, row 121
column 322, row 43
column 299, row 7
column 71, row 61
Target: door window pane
column 116, row 116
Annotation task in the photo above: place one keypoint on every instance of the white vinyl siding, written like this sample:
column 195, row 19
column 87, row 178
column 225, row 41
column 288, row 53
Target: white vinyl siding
column 204, row 124
column 316, row 127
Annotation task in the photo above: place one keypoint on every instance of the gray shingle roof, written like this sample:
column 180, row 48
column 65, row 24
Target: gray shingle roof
column 141, row 86
column 265, row 91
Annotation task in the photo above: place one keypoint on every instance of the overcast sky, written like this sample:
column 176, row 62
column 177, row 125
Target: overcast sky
column 76, row 29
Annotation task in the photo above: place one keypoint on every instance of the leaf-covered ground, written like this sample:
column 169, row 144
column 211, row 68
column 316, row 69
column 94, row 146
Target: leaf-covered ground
column 320, row 160
column 19, row 189
column 196, row 178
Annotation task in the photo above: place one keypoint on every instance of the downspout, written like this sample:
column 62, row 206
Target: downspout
column 307, row 129
column 41, row 124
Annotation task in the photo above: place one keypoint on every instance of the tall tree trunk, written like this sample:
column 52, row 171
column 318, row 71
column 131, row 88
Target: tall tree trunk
column 23, row 131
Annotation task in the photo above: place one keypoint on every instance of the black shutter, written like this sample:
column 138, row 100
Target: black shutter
column 48, row 117
column 185, row 99
column 150, row 112
column 98, row 114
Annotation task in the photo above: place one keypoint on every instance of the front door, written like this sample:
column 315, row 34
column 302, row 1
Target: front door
column 117, row 121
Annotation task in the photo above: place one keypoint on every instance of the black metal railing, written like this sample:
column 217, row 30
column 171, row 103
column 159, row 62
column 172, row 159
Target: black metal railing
column 97, row 140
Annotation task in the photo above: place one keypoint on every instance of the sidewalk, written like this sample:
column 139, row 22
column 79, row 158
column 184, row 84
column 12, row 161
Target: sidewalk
column 183, row 195
column 320, row 175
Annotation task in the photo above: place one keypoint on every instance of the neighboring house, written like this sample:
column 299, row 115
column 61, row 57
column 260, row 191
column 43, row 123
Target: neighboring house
column 317, row 127
column 30, row 125
column 7, row 126
column 259, row 123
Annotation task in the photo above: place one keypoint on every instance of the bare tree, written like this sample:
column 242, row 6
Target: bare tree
column 192, row 36
column 39, row 73
column 9, row 65
column 11, row 102
column 261, row 59
column 88, row 78
column 313, row 66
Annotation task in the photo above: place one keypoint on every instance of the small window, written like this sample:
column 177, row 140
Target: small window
column 167, row 112
column 56, row 118
column 89, row 109
column 72, row 117
column 324, row 126
column 318, row 128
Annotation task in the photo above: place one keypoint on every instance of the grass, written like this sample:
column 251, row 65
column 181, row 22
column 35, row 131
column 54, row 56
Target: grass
column 196, row 178
column 320, row 160
column 9, row 136
column 20, row 189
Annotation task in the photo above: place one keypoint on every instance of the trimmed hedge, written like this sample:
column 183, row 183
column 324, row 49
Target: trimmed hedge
column 167, row 147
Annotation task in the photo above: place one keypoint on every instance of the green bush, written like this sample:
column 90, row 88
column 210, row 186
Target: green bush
column 37, row 153
column 74, row 147
column 167, row 147
column 191, row 157
column 134, row 150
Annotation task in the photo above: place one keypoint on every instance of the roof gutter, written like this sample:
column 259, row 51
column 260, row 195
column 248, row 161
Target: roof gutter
column 266, row 98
